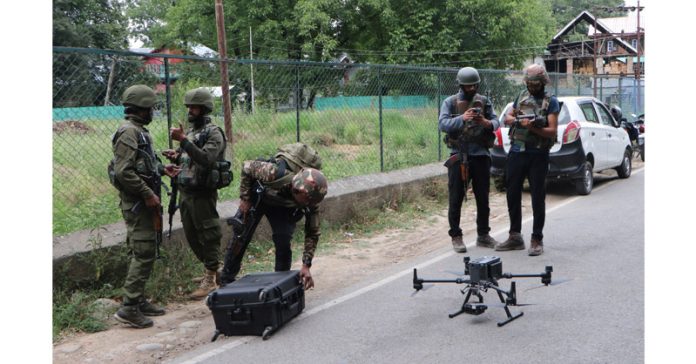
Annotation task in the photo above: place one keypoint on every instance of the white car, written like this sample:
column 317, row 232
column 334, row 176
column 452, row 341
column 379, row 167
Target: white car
column 589, row 140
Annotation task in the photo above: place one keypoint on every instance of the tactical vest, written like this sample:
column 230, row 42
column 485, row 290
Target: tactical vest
column 527, row 104
column 290, row 159
column 471, row 132
column 196, row 177
column 147, row 164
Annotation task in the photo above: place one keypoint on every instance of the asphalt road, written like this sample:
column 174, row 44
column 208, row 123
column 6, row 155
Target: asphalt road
column 595, row 243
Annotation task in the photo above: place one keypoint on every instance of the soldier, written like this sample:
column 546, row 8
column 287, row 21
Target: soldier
column 284, row 190
column 135, row 171
column 528, row 158
column 469, row 121
column 201, row 147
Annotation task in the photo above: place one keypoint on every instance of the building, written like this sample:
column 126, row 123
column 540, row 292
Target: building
column 614, row 45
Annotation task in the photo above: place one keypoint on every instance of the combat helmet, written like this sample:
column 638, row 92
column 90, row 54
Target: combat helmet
column 140, row 96
column 616, row 112
column 536, row 72
column 468, row 76
column 309, row 186
column 201, row 97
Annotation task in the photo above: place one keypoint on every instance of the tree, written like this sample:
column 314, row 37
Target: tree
column 84, row 79
column 89, row 23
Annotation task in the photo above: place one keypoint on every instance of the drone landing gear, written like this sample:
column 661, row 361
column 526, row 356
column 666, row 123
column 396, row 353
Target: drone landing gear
column 477, row 308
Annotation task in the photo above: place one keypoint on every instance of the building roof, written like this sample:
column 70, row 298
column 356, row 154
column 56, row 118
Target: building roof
column 626, row 24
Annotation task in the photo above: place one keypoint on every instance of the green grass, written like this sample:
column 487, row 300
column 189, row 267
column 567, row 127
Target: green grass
column 171, row 277
column 347, row 140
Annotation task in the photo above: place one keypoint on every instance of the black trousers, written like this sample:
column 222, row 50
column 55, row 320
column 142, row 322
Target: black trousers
column 283, row 225
column 534, row 167
column 480, row 172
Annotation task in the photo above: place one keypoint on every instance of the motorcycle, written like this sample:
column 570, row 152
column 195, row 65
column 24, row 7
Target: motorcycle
column 637, row 129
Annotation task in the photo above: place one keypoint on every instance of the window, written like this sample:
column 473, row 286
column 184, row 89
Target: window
column 564, row 115
column 610, row 46
column 606, row 117
column 634, row 43
column 589, row 112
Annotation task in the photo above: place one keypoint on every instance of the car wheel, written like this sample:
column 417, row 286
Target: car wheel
column 499, row 183
column 583, row 186
column 624, row 170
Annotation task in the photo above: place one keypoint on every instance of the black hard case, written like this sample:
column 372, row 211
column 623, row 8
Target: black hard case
column 256, row 304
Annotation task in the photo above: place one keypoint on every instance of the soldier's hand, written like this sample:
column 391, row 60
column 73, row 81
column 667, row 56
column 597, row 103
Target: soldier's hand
column 171, row 154
column 469, row 114
column 152, row 201
column 244, row 206
column 172, row 170
column 306, row 277
column 178, row 133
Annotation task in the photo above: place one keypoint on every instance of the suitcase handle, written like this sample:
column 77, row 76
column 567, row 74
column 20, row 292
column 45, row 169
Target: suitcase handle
column 244, row 321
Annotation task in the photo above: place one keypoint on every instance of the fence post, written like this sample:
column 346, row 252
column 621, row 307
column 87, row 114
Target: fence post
column 620, row 93
column 601, row 89
column 439, row 102
column 168, row 100
column 381, row 135
column 297, row 100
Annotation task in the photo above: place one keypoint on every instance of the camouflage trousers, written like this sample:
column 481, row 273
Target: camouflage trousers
column 202, row 227
column 142, row 249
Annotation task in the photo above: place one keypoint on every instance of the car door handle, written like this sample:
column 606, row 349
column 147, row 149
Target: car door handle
column 592, row 133
column 609, row 135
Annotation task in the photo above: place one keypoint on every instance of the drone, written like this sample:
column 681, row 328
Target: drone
column 484, row 273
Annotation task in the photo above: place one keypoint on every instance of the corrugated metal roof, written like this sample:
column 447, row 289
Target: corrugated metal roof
column 626, row 24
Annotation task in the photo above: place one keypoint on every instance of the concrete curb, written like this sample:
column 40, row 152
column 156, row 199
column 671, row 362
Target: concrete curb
column 346, row 198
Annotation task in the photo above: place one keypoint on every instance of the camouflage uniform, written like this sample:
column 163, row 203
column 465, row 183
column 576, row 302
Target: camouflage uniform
column 282, row 212
column 137, row 173
column 198, row 204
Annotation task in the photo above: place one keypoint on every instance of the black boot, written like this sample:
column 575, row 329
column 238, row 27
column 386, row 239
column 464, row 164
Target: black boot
column 131, row 315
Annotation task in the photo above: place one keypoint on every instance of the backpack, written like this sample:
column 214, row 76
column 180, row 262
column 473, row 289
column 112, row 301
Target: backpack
column 294, row 157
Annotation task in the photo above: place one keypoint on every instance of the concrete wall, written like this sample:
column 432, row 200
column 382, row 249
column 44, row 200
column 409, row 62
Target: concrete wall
column 76, row 256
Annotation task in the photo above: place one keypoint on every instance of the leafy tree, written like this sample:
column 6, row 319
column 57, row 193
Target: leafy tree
column 89, row 23
column 83, row 79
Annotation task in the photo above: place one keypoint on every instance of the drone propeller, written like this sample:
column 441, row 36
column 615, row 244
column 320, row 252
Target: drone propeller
column 554, row 282
column 502, row 305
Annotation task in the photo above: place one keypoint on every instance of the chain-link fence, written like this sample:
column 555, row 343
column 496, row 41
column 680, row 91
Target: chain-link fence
column 360, row 118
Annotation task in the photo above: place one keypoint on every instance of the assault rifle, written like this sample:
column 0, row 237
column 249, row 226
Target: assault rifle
column 173, row 194
column 242, row 226
column 536, row 121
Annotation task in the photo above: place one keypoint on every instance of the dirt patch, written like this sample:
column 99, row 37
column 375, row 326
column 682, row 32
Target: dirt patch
column 71, row 125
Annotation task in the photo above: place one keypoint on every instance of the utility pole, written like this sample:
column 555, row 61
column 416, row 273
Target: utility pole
column 251, row 56
column 638, row 69
column 224, row 79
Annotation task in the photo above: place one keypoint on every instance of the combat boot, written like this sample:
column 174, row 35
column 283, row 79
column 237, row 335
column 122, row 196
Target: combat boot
column 513, row 242
column 131, row 315
column 536, row 247
column 207, row 285
column 486, row 241
column 150, row 309
column 458, row 244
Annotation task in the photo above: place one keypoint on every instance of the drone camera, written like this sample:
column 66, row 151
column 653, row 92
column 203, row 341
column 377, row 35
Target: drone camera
column 474, row 308
column 485, row 268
